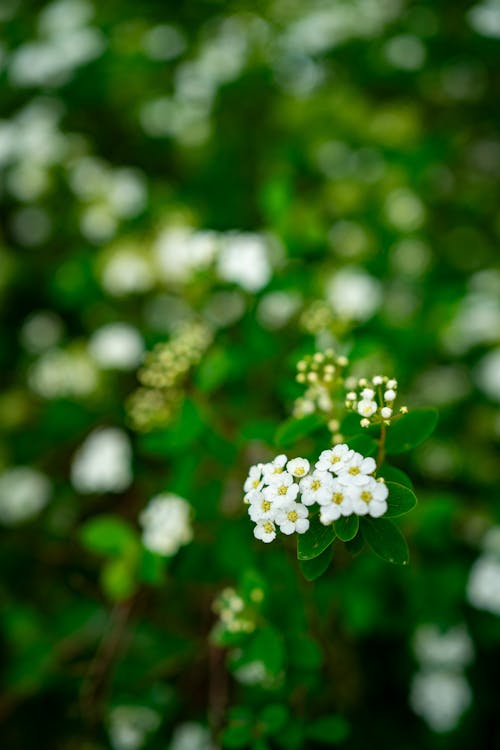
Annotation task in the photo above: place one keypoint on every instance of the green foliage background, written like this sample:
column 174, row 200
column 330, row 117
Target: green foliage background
column 315, row 131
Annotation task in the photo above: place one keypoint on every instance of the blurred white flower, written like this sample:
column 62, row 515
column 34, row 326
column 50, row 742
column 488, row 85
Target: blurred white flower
column 434, row 648
column 191, row 736
column 353, row 294
column 41, row 330
column 117, row 346
column 166, row 524
column 63, row 373
column 127, row 271
column 440, row 698
column 163, row 42
column 485, row 18
column 244, row 260
column 129, row 726
column 102, row 463
column 483, row 586
column 487, row 374
column 24, row 491
column 180, row 251
column 276, row 308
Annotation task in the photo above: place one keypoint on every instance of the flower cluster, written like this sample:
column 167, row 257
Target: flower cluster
column 279, row 493
column 374, row 400
column 321, row 372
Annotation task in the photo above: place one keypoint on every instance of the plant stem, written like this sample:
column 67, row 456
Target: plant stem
column 381, row 445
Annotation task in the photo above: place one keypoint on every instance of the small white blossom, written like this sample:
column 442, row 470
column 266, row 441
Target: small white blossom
column 298, row 467
column 261, row 508
column 337, row 459
column 315, row 486
column 102, row 463
column 255, row 480
column 337, row 503
column 440, row 698
column 117, row 346
column 386, row 412
column 265, row 531
column 275, row 467
column 357, row 470
column 389, row 395
column 24, row 491
column 377, row 380
column 367, row 408
column 392, row 384
column 351, row 396
column 292, row 517
column 483, row 586
column 370, row 498
column 368, row 394
column 166, row 524
column 365, row 423
column 282, row 490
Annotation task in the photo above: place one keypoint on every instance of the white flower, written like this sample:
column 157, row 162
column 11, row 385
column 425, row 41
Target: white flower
column 440, row 698
column 368, row 394
column 261, row 508
column 351, row 396
column 298, row 467
column 354, row 294
column 243, row 259
column 377, row 380
column 337, row 503
column 102, row 463
column 117, row 346
column 337, row 459
column 452, row 649
column 282, row 490
column 315, row 486
column 483, row 586
column 273, row 469
column 392, row 384
column 265, row 531
column 166, row 524
column 386, row 412
column 24, row 491
column 370, row 498
column 367, row 408
column 356, row 470
column 254, row 481
column 389, row 395
column 292, row 517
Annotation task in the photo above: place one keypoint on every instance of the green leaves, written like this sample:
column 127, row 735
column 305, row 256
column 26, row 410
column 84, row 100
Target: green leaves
column 400, row 500
column 109, row 535
column 315, row 540
column 385, row 539
column 410, row 430
column 363, row 444
column 314, row 568
column 346, row 527
column 295, row 429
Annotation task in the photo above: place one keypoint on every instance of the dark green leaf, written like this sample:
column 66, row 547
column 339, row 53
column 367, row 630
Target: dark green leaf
column 356, row 545
column 312, row 569
column 273, row 717
column 315, row 540
column 294, row 429
column 386, row 540
column 410, row 430
column 400, row 500
column 364, row 444
column 328, row 729
column 346, row 527
column 392, row 474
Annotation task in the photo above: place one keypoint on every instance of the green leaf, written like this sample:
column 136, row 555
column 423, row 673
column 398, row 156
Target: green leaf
column 355, row 546
column 152, row 568
column 239, row 731
column 410, row 430
column 364, row 444
column 392, row 474
column 118, row 579
column 214, row 369
column 294, row 429
column 109, row 535
column 386, row 540
column 328, row 729
column 273, row 717
column 312, row 569
column 346, row 527
column 400, row 500
column 265, row 645
column 315, row 540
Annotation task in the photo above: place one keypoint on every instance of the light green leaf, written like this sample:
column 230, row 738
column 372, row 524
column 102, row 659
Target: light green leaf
column 312, row 569
column 109, row 535
column 294, row 429
column 400, row 500
column 346, row 527
column 410, row 430
column 315, row 540
column 386, row 540
column 118, row 579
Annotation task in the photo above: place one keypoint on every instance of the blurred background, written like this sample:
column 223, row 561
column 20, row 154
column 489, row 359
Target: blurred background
column 237, row 185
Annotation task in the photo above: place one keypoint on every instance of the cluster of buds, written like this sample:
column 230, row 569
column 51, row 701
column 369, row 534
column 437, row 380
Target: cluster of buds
column 233, row 613
column 374, row 400
column 163, row 376
column 321, row 373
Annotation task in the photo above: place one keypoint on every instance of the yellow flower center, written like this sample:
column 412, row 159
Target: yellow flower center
column 266, row 505
column 354, row 471
column 335, row 459
column 255, row 483
column 282, row 490
column 278, row 470
column 315, row 484
column 366, row 496
column 337, row 497
column 300, row 471
column 268, row 527
column 292, row 515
